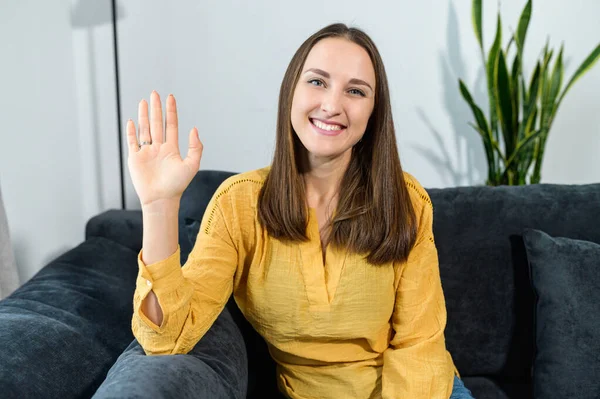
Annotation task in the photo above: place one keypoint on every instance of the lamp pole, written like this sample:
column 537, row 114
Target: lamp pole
column 119, row 127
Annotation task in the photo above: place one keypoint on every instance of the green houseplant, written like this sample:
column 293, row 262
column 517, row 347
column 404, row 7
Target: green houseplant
column 521, row 111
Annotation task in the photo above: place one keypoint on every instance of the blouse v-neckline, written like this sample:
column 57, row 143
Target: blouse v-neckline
column 320, row 278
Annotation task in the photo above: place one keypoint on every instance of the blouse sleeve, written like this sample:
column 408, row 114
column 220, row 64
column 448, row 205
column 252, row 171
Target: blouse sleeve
column 191, row 297
column 416, row 364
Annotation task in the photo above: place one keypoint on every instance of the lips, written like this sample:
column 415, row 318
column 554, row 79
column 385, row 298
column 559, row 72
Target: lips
column 327, row 128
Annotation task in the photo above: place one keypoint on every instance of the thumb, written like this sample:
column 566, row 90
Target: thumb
column 195, row 150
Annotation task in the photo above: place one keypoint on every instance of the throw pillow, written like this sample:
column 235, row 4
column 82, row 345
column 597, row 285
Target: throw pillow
column 565, row 274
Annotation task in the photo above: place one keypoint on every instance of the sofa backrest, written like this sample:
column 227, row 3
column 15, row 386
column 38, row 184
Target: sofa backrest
column 484, row 269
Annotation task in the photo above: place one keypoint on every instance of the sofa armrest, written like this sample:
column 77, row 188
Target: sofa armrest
column 122, row 226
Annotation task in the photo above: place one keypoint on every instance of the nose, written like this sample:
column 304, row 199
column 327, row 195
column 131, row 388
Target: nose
column 331, row 103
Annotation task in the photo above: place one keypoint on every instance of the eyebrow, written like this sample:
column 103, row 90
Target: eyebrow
column 327, row 75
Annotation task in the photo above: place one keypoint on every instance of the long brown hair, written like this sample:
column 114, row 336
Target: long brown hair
column 374, row 214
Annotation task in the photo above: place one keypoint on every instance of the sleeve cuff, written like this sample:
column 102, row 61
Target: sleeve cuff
column 165, row 275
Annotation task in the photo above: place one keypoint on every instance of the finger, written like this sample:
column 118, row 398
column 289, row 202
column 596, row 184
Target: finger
column 143, row 125
column 196, row 147
column 132, row 142
column 156, row 118
column 172, row 123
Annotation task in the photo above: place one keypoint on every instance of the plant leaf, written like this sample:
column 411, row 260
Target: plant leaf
column 481, row 122
column 477, row 22
column 517, row 74
column 534, row 86
column 547, row 119
column 516, row 92
column 521, row 147
column 557, row 79
column 510, row 42
column 544, row 86
column 529, row 152
column 494, row 144
column 549, row 100
column 550, row 90
column 524, row 90
column 483, row 127
column 515, row 69
column 545, row 72
column 529, row 123
column 530, row 101
column 491, row 73
column 505, row 106
column 583, row 68
column 477, row 112
column 522, row 28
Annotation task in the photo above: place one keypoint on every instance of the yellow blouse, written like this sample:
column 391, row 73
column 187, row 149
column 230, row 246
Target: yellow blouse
column 343, row 329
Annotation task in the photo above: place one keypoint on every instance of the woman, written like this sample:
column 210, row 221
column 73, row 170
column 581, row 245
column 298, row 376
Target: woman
column 329, row 251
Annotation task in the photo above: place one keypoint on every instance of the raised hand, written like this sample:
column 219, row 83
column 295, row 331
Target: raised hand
column 157, row 170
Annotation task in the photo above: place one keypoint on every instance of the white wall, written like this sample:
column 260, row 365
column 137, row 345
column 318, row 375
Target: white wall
column 58, row 143
column 224, row 61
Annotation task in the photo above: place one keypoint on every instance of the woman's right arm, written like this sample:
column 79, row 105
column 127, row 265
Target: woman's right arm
column 160, row 238
column 174, row 306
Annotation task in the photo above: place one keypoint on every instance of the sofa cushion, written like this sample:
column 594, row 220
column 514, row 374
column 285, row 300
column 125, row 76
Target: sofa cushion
column 199, row 192
column 490, row 388
column 484, row 271
column 63, row 329
column 125, row 227
column 565, row 275
column 118, row 225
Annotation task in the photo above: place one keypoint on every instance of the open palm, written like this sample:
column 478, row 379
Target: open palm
column 157, row 170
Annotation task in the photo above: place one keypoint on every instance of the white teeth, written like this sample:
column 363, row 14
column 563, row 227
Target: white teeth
column 326, row 126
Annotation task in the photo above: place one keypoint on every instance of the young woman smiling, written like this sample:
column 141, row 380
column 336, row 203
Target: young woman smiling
column 328, row 251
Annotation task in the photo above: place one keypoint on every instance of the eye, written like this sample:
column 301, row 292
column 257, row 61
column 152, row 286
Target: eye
column 316, row 82
column 357, row 92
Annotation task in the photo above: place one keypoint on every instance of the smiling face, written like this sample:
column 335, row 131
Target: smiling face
column 333, row 99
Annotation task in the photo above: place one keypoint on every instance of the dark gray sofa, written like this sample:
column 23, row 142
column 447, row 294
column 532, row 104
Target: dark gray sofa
column 62, row 331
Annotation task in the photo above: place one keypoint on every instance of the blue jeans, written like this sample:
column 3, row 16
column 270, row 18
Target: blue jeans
column 216, row 368
column 459, row 391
